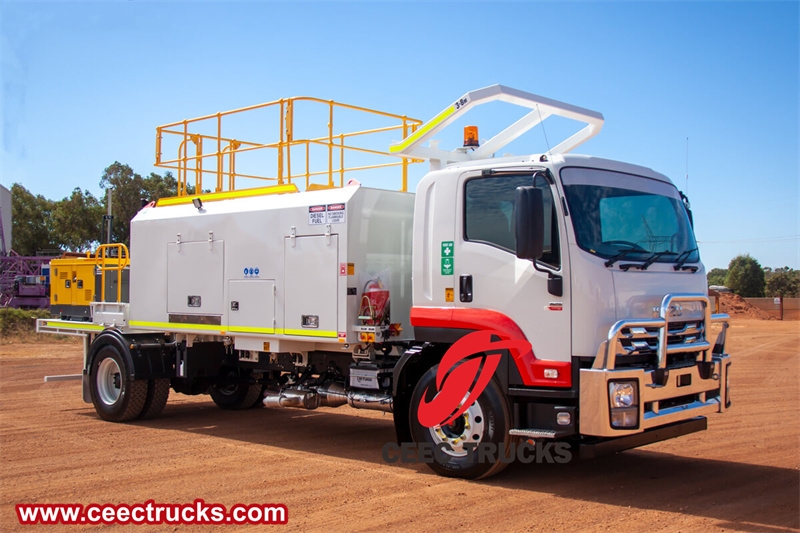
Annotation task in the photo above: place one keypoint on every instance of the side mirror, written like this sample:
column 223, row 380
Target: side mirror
column 529, row 223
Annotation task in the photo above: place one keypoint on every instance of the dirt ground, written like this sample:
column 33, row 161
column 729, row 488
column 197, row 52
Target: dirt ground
column 741, row 474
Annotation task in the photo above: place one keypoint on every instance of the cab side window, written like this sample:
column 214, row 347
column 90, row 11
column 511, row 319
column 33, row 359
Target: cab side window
column 489, row 215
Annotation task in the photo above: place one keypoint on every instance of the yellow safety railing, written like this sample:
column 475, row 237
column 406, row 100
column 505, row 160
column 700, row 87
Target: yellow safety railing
column 192, row 158
column 111, row 261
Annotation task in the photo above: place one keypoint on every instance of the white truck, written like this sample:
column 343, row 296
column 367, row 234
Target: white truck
column 540, row 298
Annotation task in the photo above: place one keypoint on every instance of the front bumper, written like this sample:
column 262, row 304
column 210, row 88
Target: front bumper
column 591, row 450
column 665, row 395
column 685, row 394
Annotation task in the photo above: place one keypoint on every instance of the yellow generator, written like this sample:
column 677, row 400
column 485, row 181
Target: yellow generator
column 76, row 282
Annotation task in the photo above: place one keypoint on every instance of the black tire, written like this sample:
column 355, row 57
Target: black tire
column 156, row 400
column 487, row 421
column 259, row 401
column 237, row 396
column 115, row 396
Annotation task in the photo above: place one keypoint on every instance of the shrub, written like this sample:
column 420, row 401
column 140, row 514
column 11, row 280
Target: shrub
column 19, row 321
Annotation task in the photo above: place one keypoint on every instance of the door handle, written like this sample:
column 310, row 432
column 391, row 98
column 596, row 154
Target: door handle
column 465, row 288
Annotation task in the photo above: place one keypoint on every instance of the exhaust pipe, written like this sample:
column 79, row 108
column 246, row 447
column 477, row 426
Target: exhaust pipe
column 329, row 395
column 292, row 398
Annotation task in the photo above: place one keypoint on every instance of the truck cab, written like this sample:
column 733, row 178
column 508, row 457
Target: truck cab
column 590, row 262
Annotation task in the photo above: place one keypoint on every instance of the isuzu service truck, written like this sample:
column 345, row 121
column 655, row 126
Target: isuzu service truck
column 540, row 298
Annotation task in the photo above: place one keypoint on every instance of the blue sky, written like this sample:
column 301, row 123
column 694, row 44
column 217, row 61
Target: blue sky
column 86, row 84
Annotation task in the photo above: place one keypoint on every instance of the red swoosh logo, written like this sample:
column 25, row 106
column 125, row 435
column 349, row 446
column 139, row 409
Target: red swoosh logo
column 454, row 384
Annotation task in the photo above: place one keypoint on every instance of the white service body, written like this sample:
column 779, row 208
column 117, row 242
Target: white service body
column 260, row 264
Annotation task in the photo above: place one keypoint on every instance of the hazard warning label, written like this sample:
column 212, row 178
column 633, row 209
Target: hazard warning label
column 336, row 213
column 326, row 214
column 316, row 215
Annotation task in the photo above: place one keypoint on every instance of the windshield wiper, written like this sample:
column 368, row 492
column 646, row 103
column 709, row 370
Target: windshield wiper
column 619, row 256
column 649, row 261
column 653, row 258
column 681, row 259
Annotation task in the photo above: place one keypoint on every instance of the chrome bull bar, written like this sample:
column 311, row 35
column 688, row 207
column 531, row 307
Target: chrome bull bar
column 664, row 395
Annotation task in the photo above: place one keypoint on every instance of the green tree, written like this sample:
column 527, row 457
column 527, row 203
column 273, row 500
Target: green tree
column 745, row 276
column 130, row 192
column 156, row 186
column 784, row 282
column 77, row 220
column 32, row 225
column 716, row 276
column 126, row 198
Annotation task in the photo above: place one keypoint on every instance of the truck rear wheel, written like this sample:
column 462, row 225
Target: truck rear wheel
column 156, row 400
column 116, row 397
column 472, row 446
column 235, row 395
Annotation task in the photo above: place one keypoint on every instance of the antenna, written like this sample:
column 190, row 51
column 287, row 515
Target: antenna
column 541, row 122
column 687, row 165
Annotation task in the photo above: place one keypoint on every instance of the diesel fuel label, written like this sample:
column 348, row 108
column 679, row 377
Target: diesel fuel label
column 316, row 215
column 326, row 214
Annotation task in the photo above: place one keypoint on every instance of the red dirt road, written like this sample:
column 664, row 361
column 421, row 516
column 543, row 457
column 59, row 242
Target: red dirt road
column 742, row 474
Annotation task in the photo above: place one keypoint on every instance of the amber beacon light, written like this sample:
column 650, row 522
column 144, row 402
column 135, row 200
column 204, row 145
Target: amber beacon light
column 471, row 136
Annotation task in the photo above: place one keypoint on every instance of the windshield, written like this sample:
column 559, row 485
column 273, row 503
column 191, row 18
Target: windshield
column 618, row 216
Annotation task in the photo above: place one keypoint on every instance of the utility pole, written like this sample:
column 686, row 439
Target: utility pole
column 107, row 219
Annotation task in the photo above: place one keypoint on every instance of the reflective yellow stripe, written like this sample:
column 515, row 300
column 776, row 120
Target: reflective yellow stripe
column 236, row 329
column 227, row 195
column 243, row 329
column 72, row 325
column 174, row 325
column 309, row 333
column 435, row 121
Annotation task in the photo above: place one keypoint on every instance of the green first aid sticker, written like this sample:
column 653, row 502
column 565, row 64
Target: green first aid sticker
column 447, row 258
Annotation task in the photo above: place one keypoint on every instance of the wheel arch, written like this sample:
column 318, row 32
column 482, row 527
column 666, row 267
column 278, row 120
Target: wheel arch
column 108, row 337
column 406, row 373
column 454, row 323
column 145, row 363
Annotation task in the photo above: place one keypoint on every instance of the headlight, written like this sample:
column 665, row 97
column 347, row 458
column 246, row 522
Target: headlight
column 623, row 394
column 623, row 397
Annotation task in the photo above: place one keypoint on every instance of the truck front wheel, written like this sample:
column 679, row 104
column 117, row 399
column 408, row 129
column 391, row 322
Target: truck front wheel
column 476, row 445
column 116, row 397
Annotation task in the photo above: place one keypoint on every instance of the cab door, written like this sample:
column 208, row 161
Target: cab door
column 489, row 276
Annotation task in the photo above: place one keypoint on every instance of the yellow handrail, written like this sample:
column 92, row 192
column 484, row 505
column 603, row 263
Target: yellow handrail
column 347, row 143
column 122, row 257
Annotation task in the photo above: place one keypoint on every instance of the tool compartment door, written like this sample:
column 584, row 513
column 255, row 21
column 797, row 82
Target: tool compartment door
column 311, row 286
column 195, row 278
column 252, row 305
